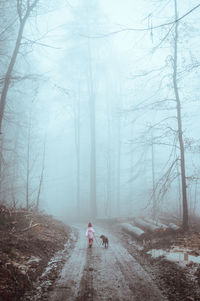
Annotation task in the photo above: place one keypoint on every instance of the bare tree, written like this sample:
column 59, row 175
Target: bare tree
column 155, row 209
column 41, row 176
column 118, row 163
column 28, row 164
column 24, row 9
column 179, row 119
column 92, row 137
column 108, row 165
column 77, row 127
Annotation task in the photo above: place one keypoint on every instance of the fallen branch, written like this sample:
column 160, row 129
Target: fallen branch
column 30, row 227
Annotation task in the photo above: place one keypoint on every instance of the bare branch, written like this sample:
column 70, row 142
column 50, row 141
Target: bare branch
column 41, row 44
column 142, row 29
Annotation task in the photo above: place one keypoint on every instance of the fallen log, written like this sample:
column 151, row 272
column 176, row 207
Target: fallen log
column 157, row 223
column 144, row 225
column 173, row 226
column 168, row 219
column 132, row 230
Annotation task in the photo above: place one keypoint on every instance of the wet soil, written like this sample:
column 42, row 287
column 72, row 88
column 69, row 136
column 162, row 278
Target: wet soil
column 28, row 241
column 104, row 274
column 178, row 283
column 53, row 262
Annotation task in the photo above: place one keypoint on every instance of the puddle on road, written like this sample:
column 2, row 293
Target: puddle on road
column 176, row 255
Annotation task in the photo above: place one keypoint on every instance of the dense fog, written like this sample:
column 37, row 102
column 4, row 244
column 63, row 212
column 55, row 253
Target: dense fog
column 101, row 115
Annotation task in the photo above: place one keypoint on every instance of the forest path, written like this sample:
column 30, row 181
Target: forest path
column 103, row 274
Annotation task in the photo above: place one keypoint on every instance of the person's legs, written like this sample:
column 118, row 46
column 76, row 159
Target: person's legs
column 90, row 242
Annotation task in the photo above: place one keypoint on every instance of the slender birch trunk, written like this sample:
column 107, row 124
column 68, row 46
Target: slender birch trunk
column 179, row 120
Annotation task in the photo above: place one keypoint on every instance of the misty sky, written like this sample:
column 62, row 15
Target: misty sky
column 121, row 57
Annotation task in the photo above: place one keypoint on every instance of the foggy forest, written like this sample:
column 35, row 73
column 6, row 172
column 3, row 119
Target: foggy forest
column 99, row 122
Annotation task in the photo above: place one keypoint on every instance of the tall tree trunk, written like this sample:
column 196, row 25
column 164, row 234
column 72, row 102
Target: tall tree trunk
column 28, row 164
column 92, row 159
column 153, row 180
column 15, row 166
column 92, row 107
column 119, row 165
column 6, row 82
column 131, row 174
column 108, row 161
column 179, row 190
column 77, row 114
column 9, row 72
column 41, row 177
column 1, row 163
column 179, row 119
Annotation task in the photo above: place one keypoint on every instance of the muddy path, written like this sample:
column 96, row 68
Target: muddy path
column 103, row 274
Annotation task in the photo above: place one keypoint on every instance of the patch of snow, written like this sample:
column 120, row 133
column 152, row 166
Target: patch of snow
column 33, row 259
column 178, row 255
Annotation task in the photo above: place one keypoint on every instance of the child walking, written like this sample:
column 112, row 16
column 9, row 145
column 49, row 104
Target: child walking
column 90, row 234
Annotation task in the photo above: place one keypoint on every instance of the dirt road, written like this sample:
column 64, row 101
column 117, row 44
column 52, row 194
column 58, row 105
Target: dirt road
column 103, row 274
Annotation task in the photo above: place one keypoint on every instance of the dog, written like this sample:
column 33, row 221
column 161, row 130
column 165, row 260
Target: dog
column 104, row 240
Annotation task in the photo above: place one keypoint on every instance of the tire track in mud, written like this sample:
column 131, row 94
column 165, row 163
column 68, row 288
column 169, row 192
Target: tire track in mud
column 127, row 279
column 86, row 291
column 67, row 287
column 99, row 274
column 138, row 281
column 109, row 282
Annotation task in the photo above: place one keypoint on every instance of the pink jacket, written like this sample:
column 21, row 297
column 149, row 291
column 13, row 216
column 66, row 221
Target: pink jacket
column 90, row 232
